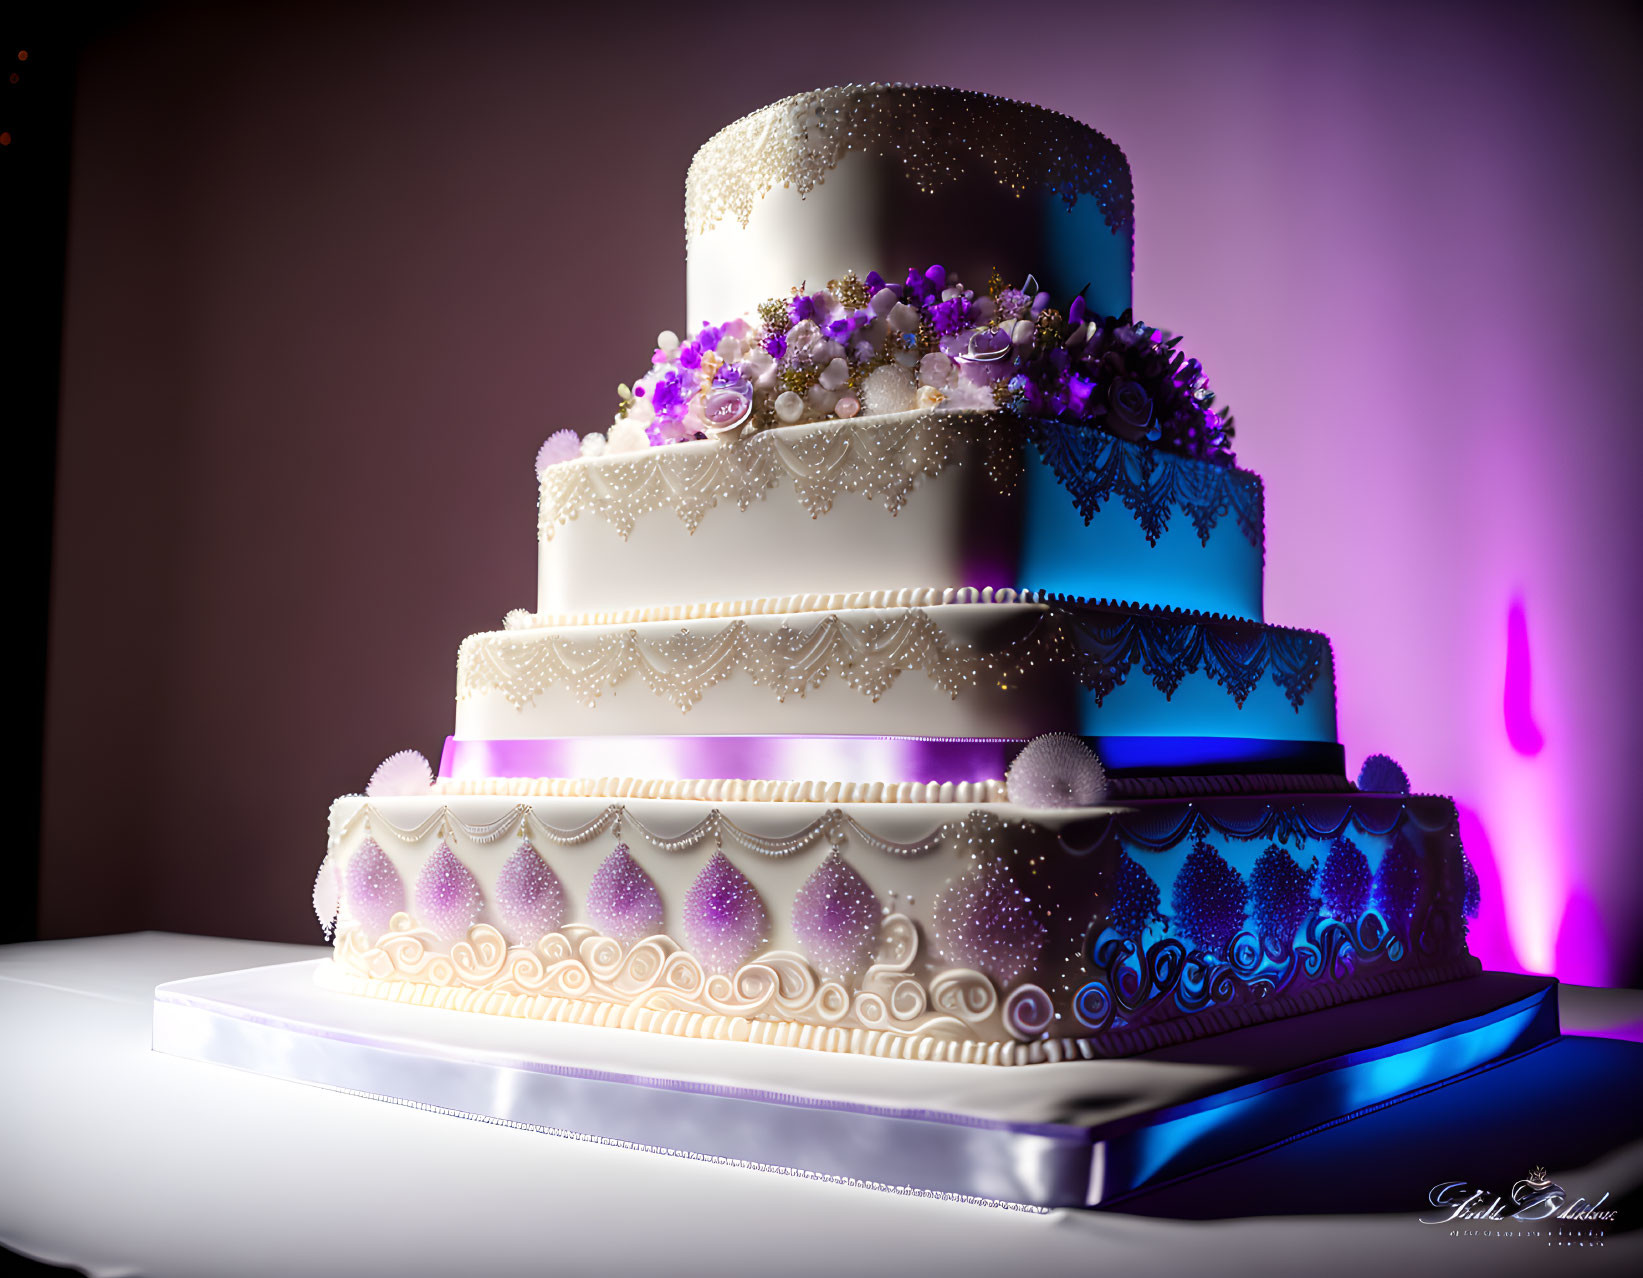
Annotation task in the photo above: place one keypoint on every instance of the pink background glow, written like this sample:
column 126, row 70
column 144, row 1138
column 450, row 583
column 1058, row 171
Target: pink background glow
column 333, row 277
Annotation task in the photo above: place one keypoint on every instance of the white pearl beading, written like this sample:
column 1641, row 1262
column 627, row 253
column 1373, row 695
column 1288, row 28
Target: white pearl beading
column 731, row 790
column 934, row 133
column 835, row 826
column 776, row 605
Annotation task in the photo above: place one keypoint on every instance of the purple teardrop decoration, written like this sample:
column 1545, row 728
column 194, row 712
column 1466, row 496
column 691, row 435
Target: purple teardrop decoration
column 371, row 891
column 1280, row 893
column 836, row 916
column 986, row 922
column 448, row 900
column 327, row 895
column 529, row 899
column 1210, row 899
column 622, row 900
column 1132, row 898
column 1398, row 883
column 723, row 916
column 1345, row 884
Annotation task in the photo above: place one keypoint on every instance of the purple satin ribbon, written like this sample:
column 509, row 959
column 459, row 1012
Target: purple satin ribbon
column 916, row 760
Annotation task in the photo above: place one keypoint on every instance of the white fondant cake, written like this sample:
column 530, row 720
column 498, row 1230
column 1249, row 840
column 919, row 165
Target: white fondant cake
column 898, row 682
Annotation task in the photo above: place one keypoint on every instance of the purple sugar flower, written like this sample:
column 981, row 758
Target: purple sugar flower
column 690, row 355
column 874, row 282
column 854, row 322
column 1079, row 392
column 775, row 345
column 669, row 397
column 710, row 337
column 1012, row 304
column 952, row 316
column 920, row 287
column 801, row 308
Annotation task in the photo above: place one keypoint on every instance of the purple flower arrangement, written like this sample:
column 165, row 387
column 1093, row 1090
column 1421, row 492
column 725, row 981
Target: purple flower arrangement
column 871, row 347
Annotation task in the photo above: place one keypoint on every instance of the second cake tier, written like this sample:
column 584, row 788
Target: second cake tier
column 1153, row 690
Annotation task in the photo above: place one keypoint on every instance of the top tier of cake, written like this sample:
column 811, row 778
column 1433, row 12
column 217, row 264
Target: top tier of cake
column 823, row 182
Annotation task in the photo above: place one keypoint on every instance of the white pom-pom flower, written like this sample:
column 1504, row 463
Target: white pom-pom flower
column 1056, row 771
column 401, row 774
column 626, row 436
column 888, row 389
column 561, row 446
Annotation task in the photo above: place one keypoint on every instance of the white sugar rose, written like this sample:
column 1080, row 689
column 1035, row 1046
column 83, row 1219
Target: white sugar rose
column 963, row 393
column 641, row 411
column 789, row 408
column 804, row 336
column 935, row 369
column 821, row 400
column 903, row 318
column 760, row 368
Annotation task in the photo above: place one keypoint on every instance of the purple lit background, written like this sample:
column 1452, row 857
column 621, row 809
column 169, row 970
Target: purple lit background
column 333, row 277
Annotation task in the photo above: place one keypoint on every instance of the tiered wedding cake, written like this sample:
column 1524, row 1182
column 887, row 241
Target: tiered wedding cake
column 899, row 682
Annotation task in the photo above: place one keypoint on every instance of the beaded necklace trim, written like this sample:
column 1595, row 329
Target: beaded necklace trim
column 729, row 789
column 772, row 605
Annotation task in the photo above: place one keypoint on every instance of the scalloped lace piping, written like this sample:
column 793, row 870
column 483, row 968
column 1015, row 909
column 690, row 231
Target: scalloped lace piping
column 885, row 458
column 1099, row 645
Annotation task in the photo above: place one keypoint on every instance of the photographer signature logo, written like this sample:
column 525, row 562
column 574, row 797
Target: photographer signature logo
column 1537, row 1207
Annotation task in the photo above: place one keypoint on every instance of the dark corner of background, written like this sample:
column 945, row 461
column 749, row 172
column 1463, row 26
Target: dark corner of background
column 42, row 41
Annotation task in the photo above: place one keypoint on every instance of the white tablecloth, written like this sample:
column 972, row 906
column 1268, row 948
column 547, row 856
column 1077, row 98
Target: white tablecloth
column 121, row 1161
